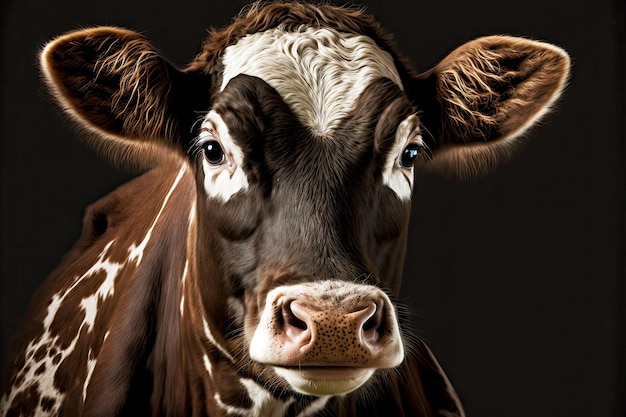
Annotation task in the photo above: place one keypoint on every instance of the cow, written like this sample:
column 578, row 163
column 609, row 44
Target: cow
column 253, row 266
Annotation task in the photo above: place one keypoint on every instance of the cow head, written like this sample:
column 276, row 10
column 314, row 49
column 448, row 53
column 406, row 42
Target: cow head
column 304, row 130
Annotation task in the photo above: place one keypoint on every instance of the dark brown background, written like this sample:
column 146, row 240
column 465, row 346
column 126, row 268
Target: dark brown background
column 516, row 280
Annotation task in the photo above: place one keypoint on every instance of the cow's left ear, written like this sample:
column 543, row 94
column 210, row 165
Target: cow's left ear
column 115, row 84
column 483, row 96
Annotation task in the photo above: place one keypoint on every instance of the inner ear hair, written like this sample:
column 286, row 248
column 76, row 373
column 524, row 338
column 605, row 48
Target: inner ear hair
column 498, row 86
column 119, row 88
column 487, row 94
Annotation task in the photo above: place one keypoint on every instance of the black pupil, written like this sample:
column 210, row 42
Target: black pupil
column 409, row 155
column 213, row 152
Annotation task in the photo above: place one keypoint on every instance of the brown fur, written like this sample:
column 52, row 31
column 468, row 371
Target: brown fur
column 118, row 87
column 314, row 210
column 473, row 105
column 261, row 16
column 489, row 92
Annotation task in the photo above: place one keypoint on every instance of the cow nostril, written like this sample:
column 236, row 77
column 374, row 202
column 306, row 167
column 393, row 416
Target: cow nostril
column 291, row 320
column 373, row 325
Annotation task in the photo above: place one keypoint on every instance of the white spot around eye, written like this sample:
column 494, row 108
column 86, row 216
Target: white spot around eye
column 400, row 179
column 224, row 180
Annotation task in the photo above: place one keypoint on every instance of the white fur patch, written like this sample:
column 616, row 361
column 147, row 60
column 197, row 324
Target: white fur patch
column 89, row 305
column 135, row 252
column 395, row 176
column 230, row 410
column 263, row 403
column 207, row 365
column 183, row 282
column 213, row 341
column 319, row 72
column 48, row 340
column 315, row 407
column 191, row 235
column 91, row 365
column 224, row 180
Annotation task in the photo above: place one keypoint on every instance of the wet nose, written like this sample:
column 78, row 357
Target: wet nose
column 303, row 324
column 327, row 336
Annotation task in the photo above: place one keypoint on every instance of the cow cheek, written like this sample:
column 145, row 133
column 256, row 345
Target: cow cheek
column 251, row 315
column 393, row 217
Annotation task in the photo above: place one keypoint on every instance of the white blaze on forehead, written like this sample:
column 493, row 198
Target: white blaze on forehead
column 224, row 180
column 319, row 72
column 396, row 177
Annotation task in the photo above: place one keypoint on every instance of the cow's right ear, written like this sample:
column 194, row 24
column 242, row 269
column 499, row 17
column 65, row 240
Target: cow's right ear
column 115, row 84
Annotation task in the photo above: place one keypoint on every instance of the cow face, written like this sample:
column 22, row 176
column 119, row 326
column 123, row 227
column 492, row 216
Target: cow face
column 304, row 169
column 309, row 216
column 304, row 160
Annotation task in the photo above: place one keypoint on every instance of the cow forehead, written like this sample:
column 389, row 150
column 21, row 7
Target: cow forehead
column 319, row 72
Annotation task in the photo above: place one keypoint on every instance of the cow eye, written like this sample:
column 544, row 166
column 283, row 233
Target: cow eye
column 213, row 152
column 409, row 155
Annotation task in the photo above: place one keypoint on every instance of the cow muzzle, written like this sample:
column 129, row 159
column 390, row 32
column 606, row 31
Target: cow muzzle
column 328, row 337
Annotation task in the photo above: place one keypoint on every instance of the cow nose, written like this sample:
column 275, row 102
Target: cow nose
column 332, row 324
column 307, row 331
column 327, row 337
column 303, row 323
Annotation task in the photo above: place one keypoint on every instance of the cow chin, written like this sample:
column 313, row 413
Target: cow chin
column 323, row 381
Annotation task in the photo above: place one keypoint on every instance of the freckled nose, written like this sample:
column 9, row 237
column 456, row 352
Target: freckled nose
column 328, row 324
column 332, row 336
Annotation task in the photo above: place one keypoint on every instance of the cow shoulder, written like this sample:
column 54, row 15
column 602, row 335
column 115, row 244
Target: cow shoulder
column 92, row 323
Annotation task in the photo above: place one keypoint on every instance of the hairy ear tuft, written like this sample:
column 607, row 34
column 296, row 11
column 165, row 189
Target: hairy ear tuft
column 111, row 79
column 498, row 85
column 115, row 84
column 487, row 93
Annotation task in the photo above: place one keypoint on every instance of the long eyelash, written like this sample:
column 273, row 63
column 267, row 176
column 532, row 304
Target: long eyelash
column 197, row 143
column 426, row 152
column 426, row 137
column 415, row 132
column 195, row 148
column 199, row 121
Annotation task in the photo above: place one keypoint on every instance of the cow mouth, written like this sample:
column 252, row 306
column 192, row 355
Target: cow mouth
column 324, row 380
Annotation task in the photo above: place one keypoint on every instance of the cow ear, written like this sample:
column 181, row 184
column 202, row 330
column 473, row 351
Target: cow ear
column 483, row 96
column 115, row 84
